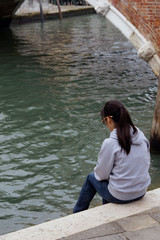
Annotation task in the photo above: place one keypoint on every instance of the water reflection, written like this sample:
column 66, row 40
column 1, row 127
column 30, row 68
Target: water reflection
column 53, row 84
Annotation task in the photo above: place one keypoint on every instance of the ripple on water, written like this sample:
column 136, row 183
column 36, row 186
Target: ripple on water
column 54, row 81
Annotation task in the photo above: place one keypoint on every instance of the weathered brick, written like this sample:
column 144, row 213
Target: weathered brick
column 144, row 15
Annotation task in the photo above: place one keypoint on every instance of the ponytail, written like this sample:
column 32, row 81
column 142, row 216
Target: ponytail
column 122, row 121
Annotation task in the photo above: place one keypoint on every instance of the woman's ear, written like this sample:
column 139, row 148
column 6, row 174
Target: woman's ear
column 111, row 124
column 110, row 120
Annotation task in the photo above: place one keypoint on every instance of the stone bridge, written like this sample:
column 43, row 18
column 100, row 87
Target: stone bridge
column 7, row 9
column 139, row 21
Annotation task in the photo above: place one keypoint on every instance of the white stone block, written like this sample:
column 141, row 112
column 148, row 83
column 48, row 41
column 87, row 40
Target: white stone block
column 102, row 7
column 119, row 22
column 155, row 64
column 147, row 51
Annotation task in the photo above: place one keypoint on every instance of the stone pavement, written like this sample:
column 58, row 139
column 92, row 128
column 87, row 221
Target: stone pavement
column 144, row 226
column 50, row 11
column 138, row 220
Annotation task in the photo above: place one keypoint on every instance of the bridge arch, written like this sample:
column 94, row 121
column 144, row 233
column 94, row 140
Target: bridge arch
column 139, row 21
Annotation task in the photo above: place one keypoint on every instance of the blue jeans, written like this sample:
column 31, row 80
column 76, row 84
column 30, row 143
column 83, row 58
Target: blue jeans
column 89, row 189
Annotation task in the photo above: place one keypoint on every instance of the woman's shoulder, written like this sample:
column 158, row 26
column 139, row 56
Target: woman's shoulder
column 112, row 139
column 113, row 135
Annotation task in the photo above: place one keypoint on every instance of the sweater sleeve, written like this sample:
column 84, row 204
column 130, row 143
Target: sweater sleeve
column 105, row 161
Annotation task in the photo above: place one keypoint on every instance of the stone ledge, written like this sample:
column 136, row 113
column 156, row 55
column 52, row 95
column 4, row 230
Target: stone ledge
column 50, row 9
column 82, row 221
column 124, row 229
column 67, row 11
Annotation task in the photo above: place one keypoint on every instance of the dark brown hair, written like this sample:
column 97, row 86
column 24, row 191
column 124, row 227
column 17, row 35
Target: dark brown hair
column 123, row 122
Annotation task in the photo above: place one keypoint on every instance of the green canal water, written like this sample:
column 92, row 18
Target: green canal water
column 53, row 82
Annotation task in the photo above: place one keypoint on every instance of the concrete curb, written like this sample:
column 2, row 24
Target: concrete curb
column 75, row 223
column 67, row 11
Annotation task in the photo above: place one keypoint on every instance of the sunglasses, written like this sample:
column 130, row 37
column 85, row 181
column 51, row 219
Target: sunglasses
column 103, row 120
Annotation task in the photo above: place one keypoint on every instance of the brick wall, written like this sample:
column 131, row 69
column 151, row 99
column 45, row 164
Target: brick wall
column 144, row 15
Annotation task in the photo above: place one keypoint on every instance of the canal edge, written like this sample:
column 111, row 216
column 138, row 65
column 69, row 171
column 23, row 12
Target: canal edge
column 90, row 219
column 67, row 11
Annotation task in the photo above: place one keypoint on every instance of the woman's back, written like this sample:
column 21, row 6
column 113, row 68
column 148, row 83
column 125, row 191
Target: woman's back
column 129, row 174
